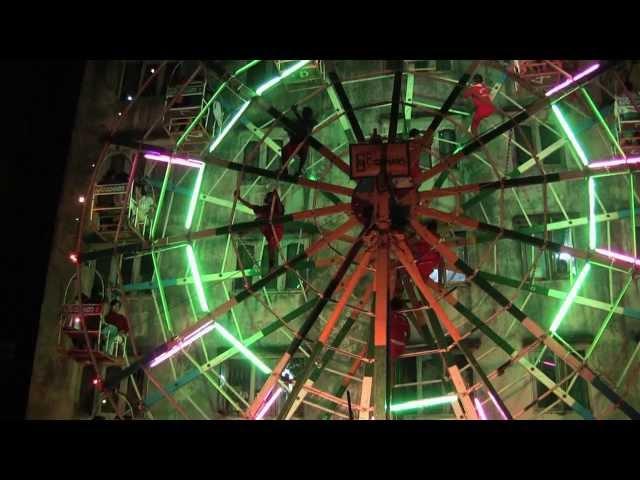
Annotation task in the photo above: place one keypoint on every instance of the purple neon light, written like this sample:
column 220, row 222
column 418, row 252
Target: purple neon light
column 585, row 72
column 187, row 162
column 483, row 415
column 188, row 340
column 551, row 364
column 615, row 162
column 619, row 256
column 198, row 331
column 504, row 417
column 268, row 405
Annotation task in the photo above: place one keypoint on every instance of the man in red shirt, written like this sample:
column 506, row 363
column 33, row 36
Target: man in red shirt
column 115, row 328
column 272, row 232
column 481, row 97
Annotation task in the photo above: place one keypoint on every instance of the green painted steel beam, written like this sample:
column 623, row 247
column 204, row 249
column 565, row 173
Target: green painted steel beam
column 558, row 294
column 163, row 298
column 576, row 222
column 188, row 280
column 408, row 101
column 342, row 119
column 192, row 374
column 585, row 125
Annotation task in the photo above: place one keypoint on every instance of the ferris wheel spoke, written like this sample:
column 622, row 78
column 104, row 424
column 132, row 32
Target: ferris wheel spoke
column 166, row 349
column 559, row 294
column 622, row 264
column 329, row 354
column 288, row 124
column 507, row 125
column 295, row 397
column 528, row 323
column 345, row 104
column 395, row 106
column 402, row 252
column 254, row 224
column 527, row 181
column 514, row 355
column 427, row 138
column 322, row 186
column 271, row 383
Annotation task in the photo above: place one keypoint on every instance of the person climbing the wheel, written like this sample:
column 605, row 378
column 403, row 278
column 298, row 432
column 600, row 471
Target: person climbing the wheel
column 273, row 232
column 481, row 97
column 298, row 139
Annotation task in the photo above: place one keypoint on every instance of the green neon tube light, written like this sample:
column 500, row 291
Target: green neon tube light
column 602, row 120
column 572, row 138
column 570, row 298
column 210, row 102
column 246, row 67
column 592, row 214
column 197, row 281
column 427, row 402
column 194, row 198
column 583, row 158
column 284, row 74
column 228, row 126
column 242, row 349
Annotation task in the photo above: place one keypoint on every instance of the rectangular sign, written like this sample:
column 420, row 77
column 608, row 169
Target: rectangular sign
column 366, row 159
column 86, row 309
column 111, row 189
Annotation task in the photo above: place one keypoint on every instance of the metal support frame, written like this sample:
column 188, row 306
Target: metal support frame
column 583, row 370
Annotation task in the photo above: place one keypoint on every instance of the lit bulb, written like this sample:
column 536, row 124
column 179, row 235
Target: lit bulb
column 153, row 70
column 104, row 401
column 81, row 197
column 73, row 257
column 77, row 219
column 129, row 97
column 119, row 114
column 95, row 381
column 93, row 165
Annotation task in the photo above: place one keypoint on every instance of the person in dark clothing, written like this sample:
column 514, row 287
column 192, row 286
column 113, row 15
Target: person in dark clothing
column 298, row 139
column 375, row 137
column 272, row 232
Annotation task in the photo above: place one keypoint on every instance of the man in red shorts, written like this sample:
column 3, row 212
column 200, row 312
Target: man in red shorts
column 481, row 97
column 272, row 232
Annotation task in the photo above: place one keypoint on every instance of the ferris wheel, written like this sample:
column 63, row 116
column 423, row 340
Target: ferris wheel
column 313, row 245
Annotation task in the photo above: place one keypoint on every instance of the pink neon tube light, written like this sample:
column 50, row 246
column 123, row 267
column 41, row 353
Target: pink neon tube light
column 483, row 415
column 582, row 74
column 618, row 256
column 187, row 162
column 615, row 162
column 268, row 405
column 188, row 340
column 497, row 406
